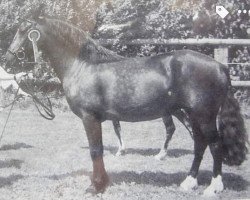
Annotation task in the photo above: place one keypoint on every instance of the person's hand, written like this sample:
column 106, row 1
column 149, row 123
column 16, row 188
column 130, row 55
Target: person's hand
column 19, row 76
column 22, row 75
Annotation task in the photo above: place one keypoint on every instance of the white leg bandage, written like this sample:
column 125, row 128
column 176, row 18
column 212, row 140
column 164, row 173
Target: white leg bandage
column 190, row 183
column 216, row 186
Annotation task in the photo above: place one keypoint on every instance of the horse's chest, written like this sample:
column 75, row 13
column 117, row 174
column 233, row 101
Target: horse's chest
column 81, row 90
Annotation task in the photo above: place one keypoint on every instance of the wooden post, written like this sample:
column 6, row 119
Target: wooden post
column 221, row 55
column 2, row 97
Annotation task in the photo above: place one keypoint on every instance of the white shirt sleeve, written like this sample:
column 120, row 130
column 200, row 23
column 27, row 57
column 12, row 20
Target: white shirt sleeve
column 5, row 76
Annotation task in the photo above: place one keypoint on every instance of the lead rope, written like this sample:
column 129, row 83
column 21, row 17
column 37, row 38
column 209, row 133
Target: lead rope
column 6, row 122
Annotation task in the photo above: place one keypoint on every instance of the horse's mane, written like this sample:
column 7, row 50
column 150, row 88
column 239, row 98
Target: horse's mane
column 76, row 38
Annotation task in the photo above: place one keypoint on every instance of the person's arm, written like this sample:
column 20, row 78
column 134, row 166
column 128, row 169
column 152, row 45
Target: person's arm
column 5, row 76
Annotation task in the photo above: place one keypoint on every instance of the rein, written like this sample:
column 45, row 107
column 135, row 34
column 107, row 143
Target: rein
column 12, row 105
column 48, row 110
column 13, row 101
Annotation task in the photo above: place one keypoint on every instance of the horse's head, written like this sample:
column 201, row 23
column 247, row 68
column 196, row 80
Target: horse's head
column 28, row 29
column 15, row 52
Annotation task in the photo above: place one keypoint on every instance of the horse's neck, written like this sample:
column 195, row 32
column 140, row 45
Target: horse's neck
column 61, row 58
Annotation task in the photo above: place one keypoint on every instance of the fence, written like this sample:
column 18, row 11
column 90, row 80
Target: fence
column 220, row 50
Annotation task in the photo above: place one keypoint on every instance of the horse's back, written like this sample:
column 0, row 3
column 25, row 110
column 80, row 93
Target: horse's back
column 140, row 89
column 136, row 89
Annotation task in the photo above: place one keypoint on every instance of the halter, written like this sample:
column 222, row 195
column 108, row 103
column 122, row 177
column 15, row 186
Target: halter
column 20, row 54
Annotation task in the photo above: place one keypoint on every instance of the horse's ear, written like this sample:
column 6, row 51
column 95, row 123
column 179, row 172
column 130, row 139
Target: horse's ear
column 39, row 12
column 41, row 19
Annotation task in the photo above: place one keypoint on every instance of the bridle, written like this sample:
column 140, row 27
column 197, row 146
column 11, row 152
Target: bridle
column 20, row 55
column 33, row 36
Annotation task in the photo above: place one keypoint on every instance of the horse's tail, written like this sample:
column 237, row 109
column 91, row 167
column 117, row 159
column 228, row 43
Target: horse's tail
column 232, row 129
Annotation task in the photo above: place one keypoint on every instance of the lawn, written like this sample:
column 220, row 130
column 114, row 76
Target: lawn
column 49, row 160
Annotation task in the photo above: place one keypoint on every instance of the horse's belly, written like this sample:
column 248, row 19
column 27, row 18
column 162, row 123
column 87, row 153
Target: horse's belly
column 132, row 113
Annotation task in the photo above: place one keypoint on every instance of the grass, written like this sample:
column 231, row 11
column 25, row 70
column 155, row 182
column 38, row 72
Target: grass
column 50, row 160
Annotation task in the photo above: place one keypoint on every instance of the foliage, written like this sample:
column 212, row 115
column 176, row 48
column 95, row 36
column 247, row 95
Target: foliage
column 132, row 19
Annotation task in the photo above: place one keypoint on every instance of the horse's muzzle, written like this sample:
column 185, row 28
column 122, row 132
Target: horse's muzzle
column 9, row 60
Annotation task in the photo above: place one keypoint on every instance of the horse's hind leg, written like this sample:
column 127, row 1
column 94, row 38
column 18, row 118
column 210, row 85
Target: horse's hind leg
column 184, row 119
column 200, row 145
column 94, row 134
column 117, row 128
column 205, row 133
column 170, row 128
column 215, row 145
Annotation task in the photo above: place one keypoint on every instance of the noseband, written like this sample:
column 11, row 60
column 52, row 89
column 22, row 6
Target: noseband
column 20, row 55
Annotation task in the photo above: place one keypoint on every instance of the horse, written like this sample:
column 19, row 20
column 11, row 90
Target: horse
column 99, row 85
column 169, row 126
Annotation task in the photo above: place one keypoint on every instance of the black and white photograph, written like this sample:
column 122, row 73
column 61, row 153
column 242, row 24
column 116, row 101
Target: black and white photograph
column 124, row 99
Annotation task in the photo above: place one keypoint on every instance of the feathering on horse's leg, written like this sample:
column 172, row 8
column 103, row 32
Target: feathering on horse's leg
column 121, row 146
column 215, row 145
column 100, row 179
column 200, row 145
column 170, row 128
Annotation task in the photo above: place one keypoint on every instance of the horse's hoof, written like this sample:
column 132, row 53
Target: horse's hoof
column 215, row 187
column 162, row 155
column 99, row 184
column 120, row 153
column 159, row 157
column 190, row 183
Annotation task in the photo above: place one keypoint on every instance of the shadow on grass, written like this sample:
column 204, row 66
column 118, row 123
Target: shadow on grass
column 161, row 179
column 15, row 146
column 10, row 180
column 231, row 181
column 11, row 163
column 150, row 152
column 69, row 174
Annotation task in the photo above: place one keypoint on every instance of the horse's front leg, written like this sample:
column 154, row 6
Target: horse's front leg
column 93, row 130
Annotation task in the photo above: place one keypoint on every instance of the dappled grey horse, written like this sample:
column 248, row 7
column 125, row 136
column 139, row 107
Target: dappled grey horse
column 99, row 86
